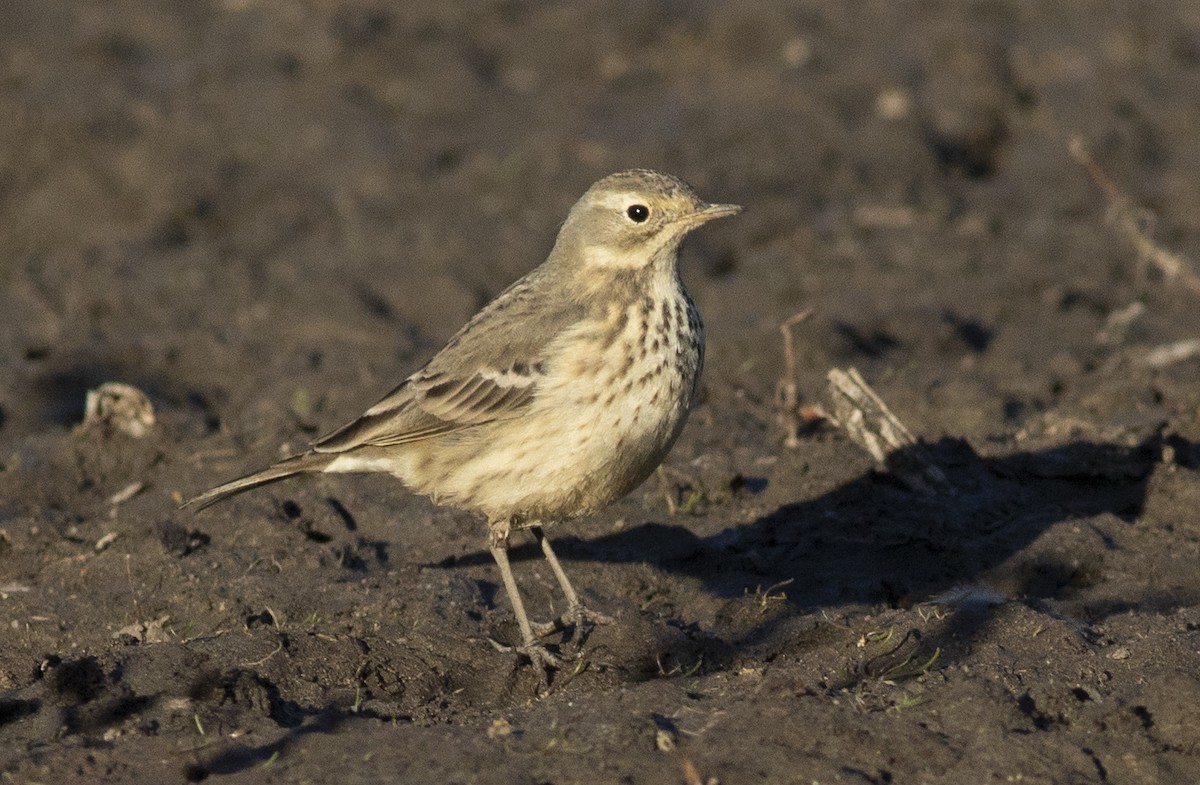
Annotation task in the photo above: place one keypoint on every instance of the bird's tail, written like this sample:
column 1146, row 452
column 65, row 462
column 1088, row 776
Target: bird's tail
column 299, row 464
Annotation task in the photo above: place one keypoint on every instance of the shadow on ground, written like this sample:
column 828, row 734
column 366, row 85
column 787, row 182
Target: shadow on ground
column 872, row 541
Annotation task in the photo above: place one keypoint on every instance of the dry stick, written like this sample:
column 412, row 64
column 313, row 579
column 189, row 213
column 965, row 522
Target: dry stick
column 1119, row 321
column 787, row 398
column 866, row 419
column 1171, row 353
column 1122, row 212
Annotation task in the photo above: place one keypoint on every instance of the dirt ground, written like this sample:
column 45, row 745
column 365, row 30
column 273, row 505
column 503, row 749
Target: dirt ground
column 265, row 214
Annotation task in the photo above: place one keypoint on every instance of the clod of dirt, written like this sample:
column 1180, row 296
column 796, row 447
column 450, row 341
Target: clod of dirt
column 114, row 406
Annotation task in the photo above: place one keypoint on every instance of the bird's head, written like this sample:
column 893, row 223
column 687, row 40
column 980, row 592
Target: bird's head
column 633, row 220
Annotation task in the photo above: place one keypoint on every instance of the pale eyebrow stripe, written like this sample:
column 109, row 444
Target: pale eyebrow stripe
column 618, row 200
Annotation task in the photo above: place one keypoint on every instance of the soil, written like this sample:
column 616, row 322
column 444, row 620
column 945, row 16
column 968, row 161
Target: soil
column 263, row 215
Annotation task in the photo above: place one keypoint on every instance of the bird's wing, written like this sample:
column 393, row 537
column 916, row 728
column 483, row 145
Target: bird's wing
column 490, row 370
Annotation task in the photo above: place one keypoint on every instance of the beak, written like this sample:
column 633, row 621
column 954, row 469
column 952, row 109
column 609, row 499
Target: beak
column 711, row 212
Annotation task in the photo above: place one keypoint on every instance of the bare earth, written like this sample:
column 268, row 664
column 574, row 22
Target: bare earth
column 264, row 214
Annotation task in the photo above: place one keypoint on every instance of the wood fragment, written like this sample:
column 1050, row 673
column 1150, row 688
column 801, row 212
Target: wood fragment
column 691, row 776
column 866, row 419
column 126, row 493
column 106, row 540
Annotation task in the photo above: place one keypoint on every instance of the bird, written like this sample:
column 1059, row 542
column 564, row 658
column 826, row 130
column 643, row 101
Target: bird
column 557, row 398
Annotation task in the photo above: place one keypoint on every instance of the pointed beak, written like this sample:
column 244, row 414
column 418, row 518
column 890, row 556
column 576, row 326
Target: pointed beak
column 710, row 212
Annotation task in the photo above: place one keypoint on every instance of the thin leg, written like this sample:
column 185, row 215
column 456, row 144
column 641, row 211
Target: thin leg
column 498, row 544
column 576, row 612
column 500, row 554
column 568, row 589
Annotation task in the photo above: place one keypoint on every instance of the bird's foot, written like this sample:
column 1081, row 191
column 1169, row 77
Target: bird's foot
column 536, row 653
column 577, row 616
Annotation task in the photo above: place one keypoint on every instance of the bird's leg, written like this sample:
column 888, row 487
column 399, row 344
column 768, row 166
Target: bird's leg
column 576, row 612
column 498, row 544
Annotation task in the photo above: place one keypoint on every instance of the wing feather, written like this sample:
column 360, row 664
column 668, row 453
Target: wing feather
column 490, row 370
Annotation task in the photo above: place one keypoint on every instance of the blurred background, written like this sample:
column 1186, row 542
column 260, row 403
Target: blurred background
column 226, row 201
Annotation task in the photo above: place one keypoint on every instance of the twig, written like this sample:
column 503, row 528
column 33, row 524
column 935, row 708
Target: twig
column 1124, row 215
column 668, row 491
column 1171, row 353
column 690, row 775
column 256, row 663
column 1119, row 321
column 129, row 580
column 127, row 493
column 106, row 540
column 787, row 398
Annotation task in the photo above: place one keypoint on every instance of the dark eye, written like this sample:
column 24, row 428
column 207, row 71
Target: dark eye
column 638, row 212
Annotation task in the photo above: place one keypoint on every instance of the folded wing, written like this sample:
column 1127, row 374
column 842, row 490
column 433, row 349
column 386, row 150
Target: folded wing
column 491, row 370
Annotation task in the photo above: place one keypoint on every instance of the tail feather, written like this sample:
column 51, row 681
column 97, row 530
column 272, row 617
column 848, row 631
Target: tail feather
column 299, row 464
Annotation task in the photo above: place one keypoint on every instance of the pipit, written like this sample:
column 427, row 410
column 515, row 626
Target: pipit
column 559, row 397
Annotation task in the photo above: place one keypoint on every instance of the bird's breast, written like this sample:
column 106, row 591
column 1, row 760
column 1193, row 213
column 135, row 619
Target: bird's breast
column 622, row 393
column 616, row 394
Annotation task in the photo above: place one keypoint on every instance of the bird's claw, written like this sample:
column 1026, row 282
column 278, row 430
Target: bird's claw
column 577, row 616
column 536, row 653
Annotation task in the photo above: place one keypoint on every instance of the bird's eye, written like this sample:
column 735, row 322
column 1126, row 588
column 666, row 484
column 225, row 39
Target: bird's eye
column 638, row 212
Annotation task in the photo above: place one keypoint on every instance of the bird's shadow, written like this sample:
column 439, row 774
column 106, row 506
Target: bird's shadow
column 239, row 756
column 874, row 541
